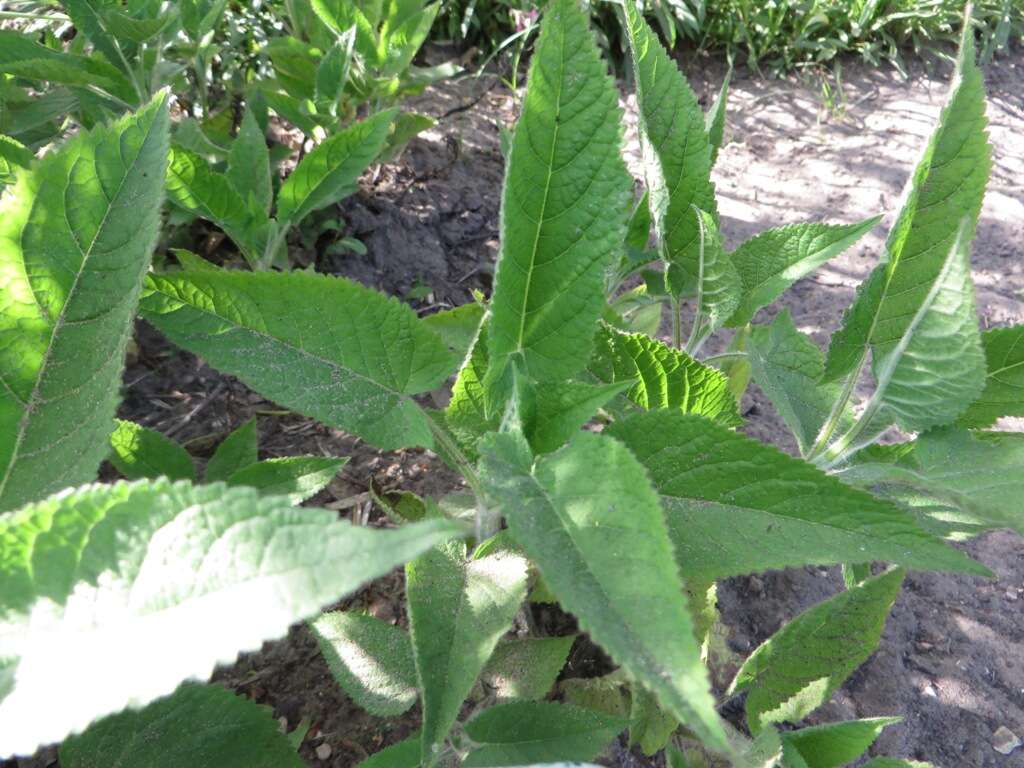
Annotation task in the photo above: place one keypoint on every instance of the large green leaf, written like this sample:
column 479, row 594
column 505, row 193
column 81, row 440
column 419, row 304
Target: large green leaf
column 140, row 453
column 538, row 732
column 788, row 367
column 773, row 260
column 76, row 234
column 122, row 591
column 330, row 172
column 1004, row 383
column 718, row 284
column 198, row 725
column 937, row 368
column 798, row 668
column 734, row 505
column 564, row 206
column 404, row 754
column 22, row 56
column 325, row 346
column 458, row 610
column 249, row 164
column 194, row 186
column 833, row 745
column 371, row 660
column 677, row 155
column 665, row 377
column 959, row 482
column 589, row 519
column 946, row 187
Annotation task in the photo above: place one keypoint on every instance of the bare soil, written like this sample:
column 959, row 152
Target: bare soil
column 952, row 657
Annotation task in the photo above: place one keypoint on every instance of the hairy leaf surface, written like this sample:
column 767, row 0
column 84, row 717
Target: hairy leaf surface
column 719, row 283
column 458, row 610
column 538, row 733
column 773, row 260
column 249, row 164
column 344, row 354
column 960, row 482
column 798, row 668
column 947, row 186
column 564, row 206
column 1004, row 383
column 526, row 668
column 76, row 234
column 676, row 152
column 123, row 591
column 788, row 367
column 665, row 377
column 330, row 172
column 371, row 660
column 140, row 453
column 204, row 723
column 587, row 516
column 833, row 745
column 734, row 505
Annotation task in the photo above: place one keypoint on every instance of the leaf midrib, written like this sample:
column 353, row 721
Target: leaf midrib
column 34, row 398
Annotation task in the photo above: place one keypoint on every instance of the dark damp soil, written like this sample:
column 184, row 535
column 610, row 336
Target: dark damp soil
column 951, row 661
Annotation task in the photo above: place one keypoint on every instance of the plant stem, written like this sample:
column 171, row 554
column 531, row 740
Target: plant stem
column 677, row 323
column 724, row 356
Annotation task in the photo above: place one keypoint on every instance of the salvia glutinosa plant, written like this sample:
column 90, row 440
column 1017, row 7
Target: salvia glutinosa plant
column 116, row 598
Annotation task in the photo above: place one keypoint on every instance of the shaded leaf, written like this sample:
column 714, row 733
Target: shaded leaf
column 833, row 745
column 345, row 355
column 236, row 451
column 249, row 164
column 526, row 668
column 296, row 478
column 138, row 453
column 1004, row 382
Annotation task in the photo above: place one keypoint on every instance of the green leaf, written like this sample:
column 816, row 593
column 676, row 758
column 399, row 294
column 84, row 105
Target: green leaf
column 332, row 73
column 402, row 37
column 407, row 126
column 564, row 206
column 194, row 186
column 140, row 453
column 458, row 610
column 959, row 482
column 588, row 518
column 946, row 187
column 536, row 732
column 123, row 591
column 22, row 56
column 88, row 18
column 297, row 478
column 788, row 366
column 198, row 725
column 798, row 668
column 1004, row 383
column 331, row 171
column 237, row 451
column 773, row 260
column 76, row 234
column 371, row 660
column 127, row 27
column 343, row 354
column 607, row 694
column 782, row 511
column 466, row 415
column 14, row 157
column 833, row 745
column 458, row 327
column 937, row 368
column 404, row 754
column 651, row 727
column 665, row 377
column 677, row 155
column 249, row 164
column 718, row 284
column 526, row 668
column 714, row 120
column 561, row 408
